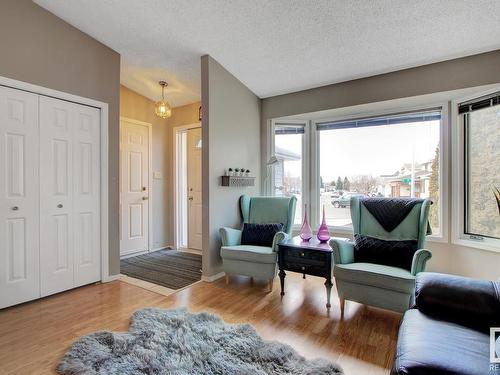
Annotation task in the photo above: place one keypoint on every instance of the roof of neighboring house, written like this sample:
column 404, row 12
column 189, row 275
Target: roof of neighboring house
column 285, row 154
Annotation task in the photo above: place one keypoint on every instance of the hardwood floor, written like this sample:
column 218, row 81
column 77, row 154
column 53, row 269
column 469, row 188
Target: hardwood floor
column 35, row 335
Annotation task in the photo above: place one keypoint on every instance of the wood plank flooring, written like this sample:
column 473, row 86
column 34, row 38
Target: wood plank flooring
column 35, row 335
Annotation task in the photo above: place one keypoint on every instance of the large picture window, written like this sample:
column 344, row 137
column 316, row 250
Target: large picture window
column 481, row 120
column 385, row 156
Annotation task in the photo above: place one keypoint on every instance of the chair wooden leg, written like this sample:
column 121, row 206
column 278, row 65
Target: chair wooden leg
column 270, row 286
column 251, row 281
column 227, row 278
column 342, row 307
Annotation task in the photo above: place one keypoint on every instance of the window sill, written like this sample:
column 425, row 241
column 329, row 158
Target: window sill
column 490, row 244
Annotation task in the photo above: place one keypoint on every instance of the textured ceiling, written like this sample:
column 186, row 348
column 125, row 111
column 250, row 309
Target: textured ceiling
column 279, row 46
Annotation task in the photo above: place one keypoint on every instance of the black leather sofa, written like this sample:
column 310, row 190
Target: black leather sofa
column 447, row 330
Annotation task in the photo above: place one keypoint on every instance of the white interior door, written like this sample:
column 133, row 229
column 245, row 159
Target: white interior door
column 134, row 187
column 19, row 197
column 86, row 195
column 56, row 195
column 194, row 188
column 69, row 195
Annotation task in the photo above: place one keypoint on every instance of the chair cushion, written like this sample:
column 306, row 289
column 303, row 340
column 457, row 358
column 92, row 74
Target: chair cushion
column 429, row 346
column 390, row 253
column 260, row 234
column 377, row 275
column 249, row 253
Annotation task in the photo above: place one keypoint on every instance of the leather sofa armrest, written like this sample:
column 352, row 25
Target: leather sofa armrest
column 420, row 259
column 343, row 250
column 469, row 302
column 230, row 236
column 279, row 237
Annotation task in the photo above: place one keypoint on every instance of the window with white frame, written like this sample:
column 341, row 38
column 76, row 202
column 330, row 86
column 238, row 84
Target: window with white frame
column 480, row 119
column 288, row 142
column 385, row 156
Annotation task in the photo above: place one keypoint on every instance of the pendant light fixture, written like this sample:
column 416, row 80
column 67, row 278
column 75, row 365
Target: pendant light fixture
column 162, row 107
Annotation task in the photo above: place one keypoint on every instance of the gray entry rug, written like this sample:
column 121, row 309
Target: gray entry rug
column 171, row 268
column 176, row 342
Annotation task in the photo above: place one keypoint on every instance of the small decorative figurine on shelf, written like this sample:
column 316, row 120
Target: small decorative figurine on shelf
column 247, row 173
column 306, row 231
column 230, row 172
column 242, row 172
column 323, row 233
column 236, row 171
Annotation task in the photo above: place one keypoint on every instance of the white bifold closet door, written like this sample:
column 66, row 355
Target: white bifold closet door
column 69, row 195
column 19, row 197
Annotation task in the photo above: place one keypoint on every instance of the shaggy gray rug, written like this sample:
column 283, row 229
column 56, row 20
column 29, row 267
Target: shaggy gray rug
column 177, row 342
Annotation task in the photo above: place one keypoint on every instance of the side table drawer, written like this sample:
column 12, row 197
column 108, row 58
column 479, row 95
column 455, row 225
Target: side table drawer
column 311, row 257
column 315, row 270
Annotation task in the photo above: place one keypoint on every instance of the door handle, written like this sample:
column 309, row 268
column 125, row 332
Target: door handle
column 145, row 198
column 190, row 198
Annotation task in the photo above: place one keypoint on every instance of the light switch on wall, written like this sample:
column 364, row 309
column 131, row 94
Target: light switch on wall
column 157, row 175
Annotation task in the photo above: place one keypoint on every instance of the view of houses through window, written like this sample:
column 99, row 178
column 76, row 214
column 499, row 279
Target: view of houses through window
column 288, row 173
column 395, row 156
column 390, row 156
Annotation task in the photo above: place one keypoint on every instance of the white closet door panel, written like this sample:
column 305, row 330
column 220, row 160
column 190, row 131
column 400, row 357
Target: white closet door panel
column 57, row 120
column 19, row 196
column 86, row 195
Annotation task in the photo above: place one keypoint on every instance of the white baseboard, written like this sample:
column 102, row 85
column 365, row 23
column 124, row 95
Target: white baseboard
column 163, row 247
column 212, row 278
column 109, row 278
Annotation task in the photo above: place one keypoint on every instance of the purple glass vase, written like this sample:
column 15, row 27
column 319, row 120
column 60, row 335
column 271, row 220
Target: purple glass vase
column 323, row 234
column 306, row 231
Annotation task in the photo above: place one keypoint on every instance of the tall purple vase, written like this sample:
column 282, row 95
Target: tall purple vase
column 306, row 231
column 323, row 234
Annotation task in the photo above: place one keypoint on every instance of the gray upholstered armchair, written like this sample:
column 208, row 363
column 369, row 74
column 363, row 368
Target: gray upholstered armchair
column 382, row 273
column 257, row 261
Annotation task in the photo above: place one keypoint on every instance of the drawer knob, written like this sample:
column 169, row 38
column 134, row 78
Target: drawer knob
column 303, row 268
column 59, row 205
column 301, row 254
column 15, row 208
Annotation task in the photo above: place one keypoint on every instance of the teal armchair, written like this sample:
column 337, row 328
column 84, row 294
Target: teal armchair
column 379, row 284
column 258, row 262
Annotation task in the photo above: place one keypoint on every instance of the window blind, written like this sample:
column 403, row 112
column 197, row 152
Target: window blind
column 479, row 103
column 283, row 128
column 402, row 118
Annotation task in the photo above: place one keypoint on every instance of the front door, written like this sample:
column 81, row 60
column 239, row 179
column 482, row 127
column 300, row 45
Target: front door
column 134, row 187
column 194, row 187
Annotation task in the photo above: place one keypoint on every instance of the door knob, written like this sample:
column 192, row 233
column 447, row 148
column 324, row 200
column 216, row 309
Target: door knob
column 145, row 198
column 59, row 205
column 15, row 208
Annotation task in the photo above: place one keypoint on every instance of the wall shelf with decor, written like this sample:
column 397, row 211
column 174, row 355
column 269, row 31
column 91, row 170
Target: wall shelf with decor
column 240, row 181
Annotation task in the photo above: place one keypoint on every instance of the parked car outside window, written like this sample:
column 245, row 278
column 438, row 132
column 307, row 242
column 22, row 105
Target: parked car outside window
column 345, row 200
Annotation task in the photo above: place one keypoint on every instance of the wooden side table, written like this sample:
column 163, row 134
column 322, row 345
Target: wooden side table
column 308, row 258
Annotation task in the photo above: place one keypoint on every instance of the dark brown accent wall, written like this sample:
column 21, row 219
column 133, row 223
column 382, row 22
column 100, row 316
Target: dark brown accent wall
column 39, row 48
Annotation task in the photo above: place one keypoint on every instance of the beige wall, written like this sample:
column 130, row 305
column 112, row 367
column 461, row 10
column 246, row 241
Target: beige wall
column 472, row 71
column 231, row 138
column 138, row 107
column 39, row 48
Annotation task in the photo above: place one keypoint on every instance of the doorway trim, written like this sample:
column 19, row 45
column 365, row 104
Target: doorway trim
column 150, row 180
column 175, row 169
column 104, row 145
